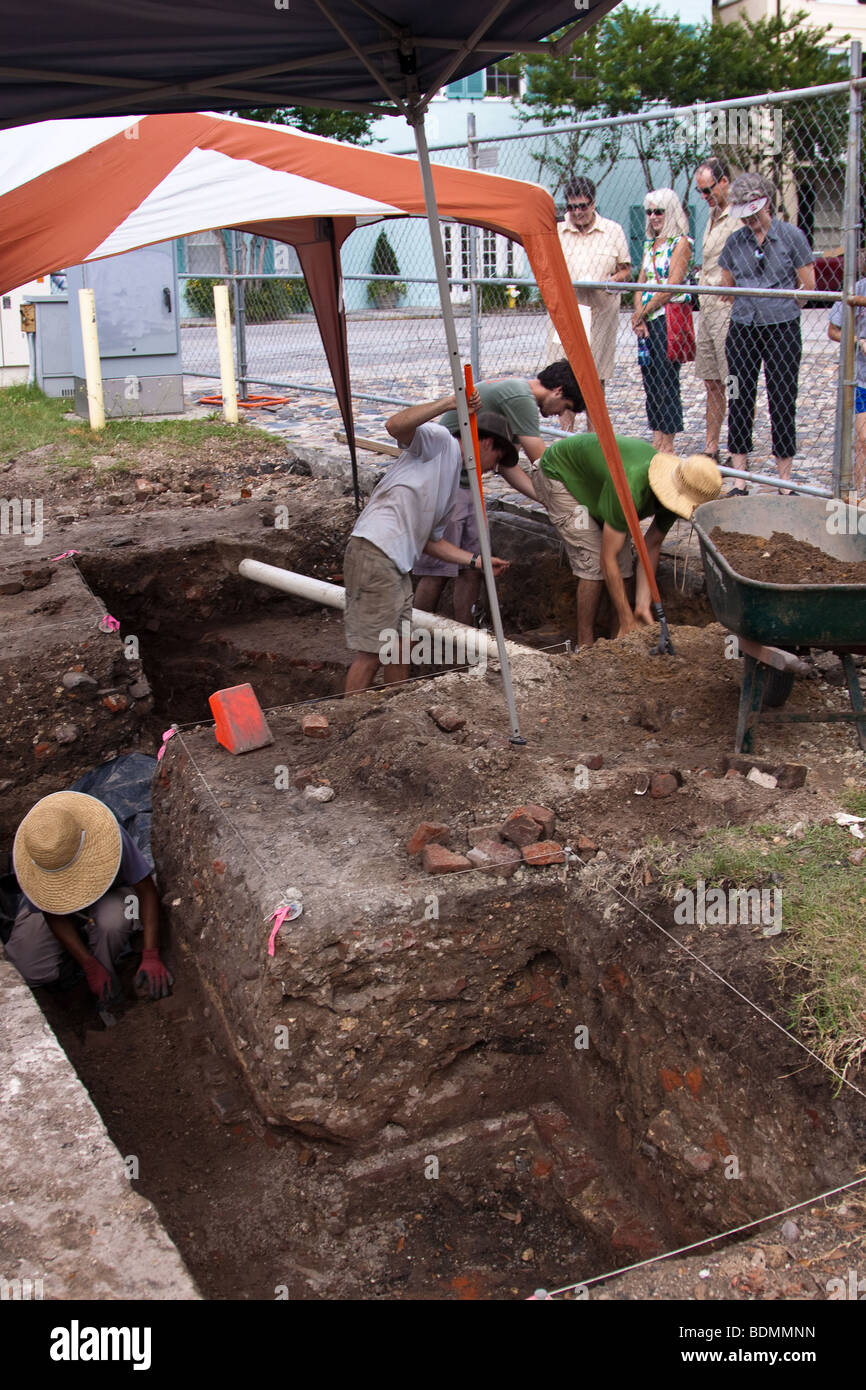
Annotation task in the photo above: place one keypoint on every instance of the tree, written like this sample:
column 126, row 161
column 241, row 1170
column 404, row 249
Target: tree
column 350, row 126
column 637, row 61
column 384, row 293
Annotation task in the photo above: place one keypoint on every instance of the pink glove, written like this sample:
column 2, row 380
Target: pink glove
column 98, row 979
column 154, row 974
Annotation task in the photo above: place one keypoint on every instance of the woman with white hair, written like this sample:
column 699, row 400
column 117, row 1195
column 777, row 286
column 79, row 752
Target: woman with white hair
column 667, row 254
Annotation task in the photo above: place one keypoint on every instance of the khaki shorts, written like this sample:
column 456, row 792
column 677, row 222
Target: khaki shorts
column 580, row 535
column 711, row 364
column 378, row 596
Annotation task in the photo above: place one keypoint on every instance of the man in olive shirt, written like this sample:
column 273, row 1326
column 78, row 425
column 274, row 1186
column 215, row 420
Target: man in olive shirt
column 523, row 403
column 574, row 483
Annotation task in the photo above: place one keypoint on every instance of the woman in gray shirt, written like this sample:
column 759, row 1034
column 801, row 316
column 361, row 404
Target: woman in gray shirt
column 764, row 254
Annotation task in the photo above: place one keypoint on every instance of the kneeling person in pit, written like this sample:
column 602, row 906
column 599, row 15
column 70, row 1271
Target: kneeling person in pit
column 73, row 860
column 573, row 482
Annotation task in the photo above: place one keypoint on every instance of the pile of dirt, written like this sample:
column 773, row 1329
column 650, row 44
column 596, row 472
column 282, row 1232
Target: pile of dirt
column 783, row 560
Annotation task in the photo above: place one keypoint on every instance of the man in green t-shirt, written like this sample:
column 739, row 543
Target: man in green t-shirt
column 523, row 403
column 595, row 532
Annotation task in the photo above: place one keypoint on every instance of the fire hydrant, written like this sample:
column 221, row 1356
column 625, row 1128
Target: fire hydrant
column 511, row 291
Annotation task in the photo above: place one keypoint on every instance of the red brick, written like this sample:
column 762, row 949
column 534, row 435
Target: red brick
column 427, row 833
column 493, row 856
column 663, row 784
column 593, row 761
column 545, row 852
column 585, row 845
column 314, row 726
column 447, row 718
column 439, row 860
column 116, row 703
column 44, row 750
column 477, row 833
column 520, row 828
column 546, row 819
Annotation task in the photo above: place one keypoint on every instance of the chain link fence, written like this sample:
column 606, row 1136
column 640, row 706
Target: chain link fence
column 774, row 379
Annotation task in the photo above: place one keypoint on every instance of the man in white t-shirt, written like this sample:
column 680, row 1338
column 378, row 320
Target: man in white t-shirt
column 405, row 516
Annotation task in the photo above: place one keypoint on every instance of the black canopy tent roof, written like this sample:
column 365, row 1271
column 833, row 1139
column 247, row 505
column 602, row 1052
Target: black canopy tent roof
column 115, row 57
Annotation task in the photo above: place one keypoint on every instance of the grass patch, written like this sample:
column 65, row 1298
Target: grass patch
column 820, row 954
column 29, row 419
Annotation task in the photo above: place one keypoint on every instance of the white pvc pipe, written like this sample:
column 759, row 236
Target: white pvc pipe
column 334, row 596
column 224, row 343
column 92, row 364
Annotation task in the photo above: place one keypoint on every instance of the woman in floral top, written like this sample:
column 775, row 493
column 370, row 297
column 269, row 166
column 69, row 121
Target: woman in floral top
column 666, row 257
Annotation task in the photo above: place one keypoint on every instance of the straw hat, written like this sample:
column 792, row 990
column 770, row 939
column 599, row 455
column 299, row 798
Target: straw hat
column 683, row 484
column 67, row 852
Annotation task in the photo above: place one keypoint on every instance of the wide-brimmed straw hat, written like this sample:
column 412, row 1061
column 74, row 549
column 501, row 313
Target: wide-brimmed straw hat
column 67, row 852
column 683, row 484
column 491, row 422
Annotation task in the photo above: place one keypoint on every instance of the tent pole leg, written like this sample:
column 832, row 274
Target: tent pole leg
column 463, row 415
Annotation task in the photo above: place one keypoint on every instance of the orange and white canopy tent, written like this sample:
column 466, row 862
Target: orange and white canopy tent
column 79, row 190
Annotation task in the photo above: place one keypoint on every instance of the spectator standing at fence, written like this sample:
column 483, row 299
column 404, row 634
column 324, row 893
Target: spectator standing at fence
column 712, row 181
column 764, row 254
column 594, row 248
column 834, row 331
column 667, row 255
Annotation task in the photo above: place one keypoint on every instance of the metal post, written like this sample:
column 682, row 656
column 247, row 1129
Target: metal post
column 239, row 292
column 463, row 414
column 843, row 438
column 474, row 342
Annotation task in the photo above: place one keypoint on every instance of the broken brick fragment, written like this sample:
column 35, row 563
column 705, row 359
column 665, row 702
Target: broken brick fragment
column 520, row 828
column 592, row 761
column 314, row 726
column 492, row 856
column 115, row 703
column 477, row 833
column 447, row 718
column 542, row 853
column 663, row 784
column 586, row 846
column 304, row 778
column 545, row 817
column 428, row 832
column 439, row 860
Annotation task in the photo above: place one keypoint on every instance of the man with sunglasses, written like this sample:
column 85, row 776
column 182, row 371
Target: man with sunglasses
column 594, row 248
column 712, row 182
column 765, row 253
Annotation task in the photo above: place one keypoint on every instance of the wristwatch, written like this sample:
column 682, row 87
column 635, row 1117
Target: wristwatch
column 476, row 556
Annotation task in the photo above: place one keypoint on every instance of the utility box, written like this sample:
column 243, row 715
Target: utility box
column 51, row 345
column 136, row 297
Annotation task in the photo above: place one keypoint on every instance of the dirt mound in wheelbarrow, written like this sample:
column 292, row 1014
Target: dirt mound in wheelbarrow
column 780, row 559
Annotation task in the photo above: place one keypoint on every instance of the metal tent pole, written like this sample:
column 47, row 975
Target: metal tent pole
column 844, row 431
column 463, row 413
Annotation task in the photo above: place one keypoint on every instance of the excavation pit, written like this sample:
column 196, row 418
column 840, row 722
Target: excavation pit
column 369, row 1111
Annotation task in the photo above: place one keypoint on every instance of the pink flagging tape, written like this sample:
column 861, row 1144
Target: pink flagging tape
column 65, row 556
column 165, row 738
column 109, row 624
column 288, row 912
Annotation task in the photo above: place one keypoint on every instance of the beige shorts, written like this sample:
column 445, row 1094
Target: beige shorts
column 580, row 535
column 378, row 596
column 711, row 364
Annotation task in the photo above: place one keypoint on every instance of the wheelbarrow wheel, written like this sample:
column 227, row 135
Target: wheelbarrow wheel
column 777, row 687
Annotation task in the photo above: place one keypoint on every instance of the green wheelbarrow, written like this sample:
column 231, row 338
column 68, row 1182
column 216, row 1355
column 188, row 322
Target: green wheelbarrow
column 775, row 623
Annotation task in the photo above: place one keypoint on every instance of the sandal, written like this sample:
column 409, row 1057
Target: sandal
column 737, row 492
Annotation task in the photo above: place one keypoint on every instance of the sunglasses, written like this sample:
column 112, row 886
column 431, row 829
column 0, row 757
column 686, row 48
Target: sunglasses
column 705, row 192
column 578, row 207
column 759, row 259
column 655, row 212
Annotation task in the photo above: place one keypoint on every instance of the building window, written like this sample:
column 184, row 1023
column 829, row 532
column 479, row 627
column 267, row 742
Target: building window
column 497, row 256
column 502, row 84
